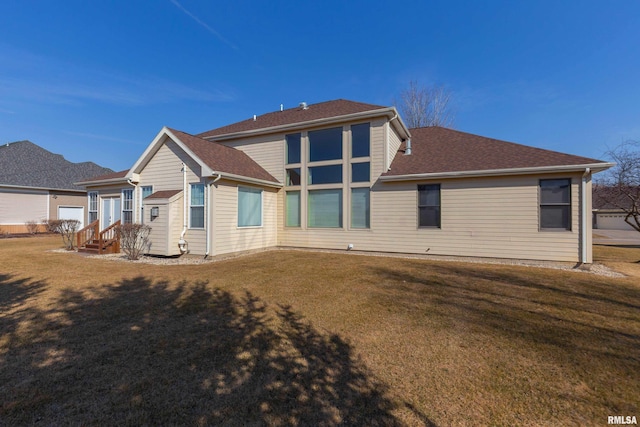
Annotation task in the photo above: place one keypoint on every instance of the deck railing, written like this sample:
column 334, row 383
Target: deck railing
column 88, row 234
column 110, row 236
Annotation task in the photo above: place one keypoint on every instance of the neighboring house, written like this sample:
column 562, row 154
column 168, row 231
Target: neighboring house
column 36, row 185
column 607, row 209
column 348, row 175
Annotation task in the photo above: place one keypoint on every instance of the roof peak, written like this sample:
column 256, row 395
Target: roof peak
column 324, row 110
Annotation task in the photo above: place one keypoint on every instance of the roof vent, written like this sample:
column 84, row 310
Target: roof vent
column 281, row 107
column 254, row 117
column 304, row 106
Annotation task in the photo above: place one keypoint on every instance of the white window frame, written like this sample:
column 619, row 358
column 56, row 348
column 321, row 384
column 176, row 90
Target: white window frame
column 142, row 187
column 253, row 190
column 90, row 194
column 203, row 205
column 127, row 200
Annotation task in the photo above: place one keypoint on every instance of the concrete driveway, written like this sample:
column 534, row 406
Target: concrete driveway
column 616, row 237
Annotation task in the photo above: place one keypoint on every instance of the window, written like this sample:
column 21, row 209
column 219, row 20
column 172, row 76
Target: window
column 429, row 205
column 360, row 137
column 325, row 144
column 360, row 208
column 196, row 206
column 325, row 208
column 93, row 206
column 249, row 207
column 293, row 209
column 127, row 206
column 331, row 174
column 360, row 172
column 145, row 191
column 555, row 204
column 293, row 176
column 293, row 148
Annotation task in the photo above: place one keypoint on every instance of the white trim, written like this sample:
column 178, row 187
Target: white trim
column 248, row 180
column 26, row 188
column 243, row 227
column 498, row 172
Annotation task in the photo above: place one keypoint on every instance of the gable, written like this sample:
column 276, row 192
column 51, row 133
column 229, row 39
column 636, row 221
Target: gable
column 212, row 159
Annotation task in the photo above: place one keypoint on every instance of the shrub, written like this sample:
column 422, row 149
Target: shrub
column 134, row 239
column 32, row 227
column 67, row 229
column 52, row 225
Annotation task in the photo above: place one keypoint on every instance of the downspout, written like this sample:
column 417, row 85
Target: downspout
column 182, row 244
column 585, row 215
column 209, row 214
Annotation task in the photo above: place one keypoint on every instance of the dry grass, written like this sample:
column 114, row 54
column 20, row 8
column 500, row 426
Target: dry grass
column 299, row 338
column 625, row 259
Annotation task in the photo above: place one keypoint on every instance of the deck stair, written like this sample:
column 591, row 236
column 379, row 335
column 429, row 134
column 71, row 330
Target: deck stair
column 90, row 239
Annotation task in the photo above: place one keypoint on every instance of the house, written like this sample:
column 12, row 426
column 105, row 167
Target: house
column 348, row 175
column 37, row 185
column 610, row 207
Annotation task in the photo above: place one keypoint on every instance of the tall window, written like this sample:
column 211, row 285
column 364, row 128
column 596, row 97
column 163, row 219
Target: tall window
column 127, row 206
column 293, row 209
column 325, row 208
column 360, row 211
column 325, row 144
column 145, row 191
column 555, row 204
column 196, row 206
column 360, row 140
column 249, row 207
column 93, row 206
column 429, row 205
column 293, row 148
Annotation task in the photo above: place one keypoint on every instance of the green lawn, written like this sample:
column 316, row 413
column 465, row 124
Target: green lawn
column 303, row 338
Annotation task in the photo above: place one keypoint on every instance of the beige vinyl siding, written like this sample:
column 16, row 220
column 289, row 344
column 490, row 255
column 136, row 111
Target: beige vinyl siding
column 394, row 145
column 481, row 217
column 166, row 228
column 267, row 151
column 164, row 172
column 228, row 237
column 377, row 148
column 19, row 206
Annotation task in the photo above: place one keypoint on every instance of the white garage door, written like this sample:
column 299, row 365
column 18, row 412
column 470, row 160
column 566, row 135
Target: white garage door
column 72, row 212
column 613, row 222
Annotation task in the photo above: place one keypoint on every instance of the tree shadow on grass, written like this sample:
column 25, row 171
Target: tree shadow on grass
column 139, row 352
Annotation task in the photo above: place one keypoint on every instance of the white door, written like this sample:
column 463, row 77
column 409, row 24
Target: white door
column 72, row 212
column 110, row 211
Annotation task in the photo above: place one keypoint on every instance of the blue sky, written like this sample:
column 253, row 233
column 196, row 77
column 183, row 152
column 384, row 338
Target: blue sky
column 97, row 80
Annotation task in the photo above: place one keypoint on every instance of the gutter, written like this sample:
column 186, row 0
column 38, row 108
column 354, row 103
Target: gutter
column 246, row 179
column 388, row 111
column 22, row 187
column 597, row 167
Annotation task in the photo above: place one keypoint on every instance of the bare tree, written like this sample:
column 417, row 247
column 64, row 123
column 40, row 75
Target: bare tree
column 422, row 106
column 135, row 239
column 620, row 186
column 67, row 228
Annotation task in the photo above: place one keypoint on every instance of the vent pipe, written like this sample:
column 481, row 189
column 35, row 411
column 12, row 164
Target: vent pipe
column 254, row 117
column 407, row 151
column 303, row 106
column 281, row 107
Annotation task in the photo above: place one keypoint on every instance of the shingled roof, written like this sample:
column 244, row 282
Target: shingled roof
column 25, row 164
column 321, row 110
column 441, row 150
column 221, row 158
